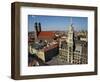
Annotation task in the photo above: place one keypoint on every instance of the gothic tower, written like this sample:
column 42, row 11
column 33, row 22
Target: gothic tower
column 70, row 43
column 37, row 29
column 39, row 25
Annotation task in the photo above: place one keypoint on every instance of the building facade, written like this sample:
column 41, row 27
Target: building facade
column 75, row 52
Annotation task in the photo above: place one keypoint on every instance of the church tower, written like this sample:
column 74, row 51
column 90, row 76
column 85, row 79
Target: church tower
column 70, row 43
column 37, row 29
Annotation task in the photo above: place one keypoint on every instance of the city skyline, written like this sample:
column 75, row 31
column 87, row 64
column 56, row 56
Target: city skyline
column 48, row 47
column 56, row 23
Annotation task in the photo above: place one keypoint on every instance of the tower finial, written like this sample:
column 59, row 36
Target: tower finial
column 71, row 24
column 71, row 20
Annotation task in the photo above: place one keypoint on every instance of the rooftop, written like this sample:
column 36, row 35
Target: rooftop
column 46, row 34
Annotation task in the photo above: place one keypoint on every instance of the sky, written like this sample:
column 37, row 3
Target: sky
column 57, row 23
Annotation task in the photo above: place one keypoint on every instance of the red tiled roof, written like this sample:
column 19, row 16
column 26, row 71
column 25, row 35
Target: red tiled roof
column 46, row 34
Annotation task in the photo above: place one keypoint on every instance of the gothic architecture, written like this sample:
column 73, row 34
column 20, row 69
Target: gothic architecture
column 74, row 52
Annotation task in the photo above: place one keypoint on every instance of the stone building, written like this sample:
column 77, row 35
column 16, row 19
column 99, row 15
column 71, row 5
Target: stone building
column 75, row 52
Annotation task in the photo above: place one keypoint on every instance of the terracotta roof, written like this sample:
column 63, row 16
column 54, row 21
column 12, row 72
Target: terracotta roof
column 46, row 34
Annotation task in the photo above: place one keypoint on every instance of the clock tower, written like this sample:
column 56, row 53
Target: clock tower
column 70, row 43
